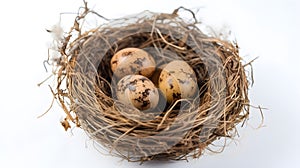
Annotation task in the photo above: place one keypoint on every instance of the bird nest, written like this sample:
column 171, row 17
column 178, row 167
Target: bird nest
column 185, row 128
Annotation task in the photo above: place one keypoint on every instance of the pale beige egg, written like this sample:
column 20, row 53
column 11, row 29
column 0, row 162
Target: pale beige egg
column 177, row 80
column 137, row 91
column 130, row 61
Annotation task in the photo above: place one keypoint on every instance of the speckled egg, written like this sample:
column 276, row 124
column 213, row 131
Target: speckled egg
column 130, row 61
column 177, row 80
column 139, row 91
column 155, row 77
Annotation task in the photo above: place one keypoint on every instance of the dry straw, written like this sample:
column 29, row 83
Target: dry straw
column 181, row 130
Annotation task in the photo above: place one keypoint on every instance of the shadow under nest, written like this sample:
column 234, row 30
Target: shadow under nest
column 177, row 131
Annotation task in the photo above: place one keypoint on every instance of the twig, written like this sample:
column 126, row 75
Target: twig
column 39, row 84
column 161, row 36
column 47, row 109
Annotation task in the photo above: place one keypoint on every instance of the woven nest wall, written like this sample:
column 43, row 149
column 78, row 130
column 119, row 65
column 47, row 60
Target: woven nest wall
column 176, row 131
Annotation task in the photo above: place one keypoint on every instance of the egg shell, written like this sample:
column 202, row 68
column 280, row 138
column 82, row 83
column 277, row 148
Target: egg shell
column 137, row 91
column 156, row 74
column 177, row 81
column 130, row 61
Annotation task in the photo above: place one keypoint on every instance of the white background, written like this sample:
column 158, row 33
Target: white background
column 268, row 29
